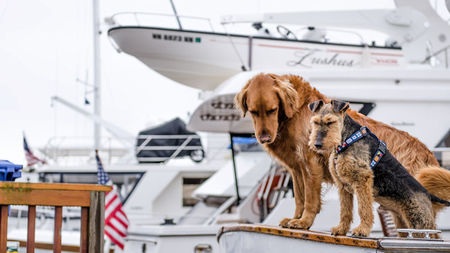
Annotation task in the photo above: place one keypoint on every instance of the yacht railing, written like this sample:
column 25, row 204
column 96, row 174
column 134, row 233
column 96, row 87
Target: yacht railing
column 442, row 54
column 70, row 149
column 146, row 139
column 139, row 19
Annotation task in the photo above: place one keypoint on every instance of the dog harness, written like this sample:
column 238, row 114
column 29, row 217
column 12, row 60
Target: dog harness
column 358, row 135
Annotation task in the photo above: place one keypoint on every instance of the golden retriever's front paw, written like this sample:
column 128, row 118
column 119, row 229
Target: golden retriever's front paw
column 339, row 230
column 284, row 222
column 299, row 223
column 361, row 231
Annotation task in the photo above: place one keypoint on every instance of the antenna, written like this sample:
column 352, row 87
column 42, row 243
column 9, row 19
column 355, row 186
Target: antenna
column 176, row 14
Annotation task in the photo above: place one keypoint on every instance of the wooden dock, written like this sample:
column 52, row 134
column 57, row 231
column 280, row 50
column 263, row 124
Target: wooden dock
column 91, row 199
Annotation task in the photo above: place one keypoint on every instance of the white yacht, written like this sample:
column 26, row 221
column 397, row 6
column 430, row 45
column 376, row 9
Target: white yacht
column 403, row 82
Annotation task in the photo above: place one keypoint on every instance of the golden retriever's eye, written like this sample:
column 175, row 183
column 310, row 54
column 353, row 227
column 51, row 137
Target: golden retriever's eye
column 254, row 113
column 330, row 123
column 271, row 111
column 316, row 123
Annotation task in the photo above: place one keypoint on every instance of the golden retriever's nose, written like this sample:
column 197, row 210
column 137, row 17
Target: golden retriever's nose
column 318, row 145
column 264, row 138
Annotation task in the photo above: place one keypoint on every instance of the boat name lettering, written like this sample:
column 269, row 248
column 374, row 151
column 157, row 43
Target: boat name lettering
column 179, row 38
column 403, row 123
column 211, row 117
column 222, row 105
column 310, row 57
column 386, row 61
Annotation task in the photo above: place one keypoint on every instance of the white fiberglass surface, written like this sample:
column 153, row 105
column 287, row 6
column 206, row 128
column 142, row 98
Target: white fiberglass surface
column 251, row 166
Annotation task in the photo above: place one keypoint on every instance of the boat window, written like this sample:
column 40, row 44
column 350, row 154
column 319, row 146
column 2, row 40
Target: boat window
column 189, row 186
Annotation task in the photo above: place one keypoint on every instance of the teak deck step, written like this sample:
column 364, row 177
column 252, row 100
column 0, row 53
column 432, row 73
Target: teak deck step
column 303, row 234
column 268, row 239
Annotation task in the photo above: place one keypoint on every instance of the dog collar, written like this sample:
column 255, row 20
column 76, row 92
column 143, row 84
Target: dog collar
column 356, row 136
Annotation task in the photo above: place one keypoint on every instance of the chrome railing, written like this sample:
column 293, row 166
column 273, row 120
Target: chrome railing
column 139, row 19
column 442, row 55
column 146, row 139
column 71, row 150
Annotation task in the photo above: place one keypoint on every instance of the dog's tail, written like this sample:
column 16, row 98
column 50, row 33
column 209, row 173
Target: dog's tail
column 437, row 181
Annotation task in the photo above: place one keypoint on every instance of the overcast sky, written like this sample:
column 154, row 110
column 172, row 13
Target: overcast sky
column 45, row 45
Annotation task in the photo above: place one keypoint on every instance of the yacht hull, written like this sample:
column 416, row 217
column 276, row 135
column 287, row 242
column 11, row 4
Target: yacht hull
column 206, row 59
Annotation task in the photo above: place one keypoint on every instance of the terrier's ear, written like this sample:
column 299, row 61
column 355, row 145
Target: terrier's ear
column 339, row 106
column 315, row 106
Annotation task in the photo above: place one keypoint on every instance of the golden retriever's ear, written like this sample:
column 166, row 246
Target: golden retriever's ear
column 240, row 101
column 339, row 106
column 315, row 106
column 288, row 97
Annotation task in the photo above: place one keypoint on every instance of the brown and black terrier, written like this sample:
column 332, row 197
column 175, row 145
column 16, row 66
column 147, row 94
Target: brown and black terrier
column 361, row 164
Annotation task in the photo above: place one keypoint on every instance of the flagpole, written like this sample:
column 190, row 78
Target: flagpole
column 107, row 241
column 97, row 71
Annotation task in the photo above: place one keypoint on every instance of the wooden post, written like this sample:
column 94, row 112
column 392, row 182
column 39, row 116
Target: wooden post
column 3, row 227
column 57, row 230
column 101, row 221
column 96, row 222
column 84, row 230
column 31, row 228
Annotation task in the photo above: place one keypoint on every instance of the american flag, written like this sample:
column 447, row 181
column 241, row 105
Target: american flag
column 29, row 156
column 116, row 221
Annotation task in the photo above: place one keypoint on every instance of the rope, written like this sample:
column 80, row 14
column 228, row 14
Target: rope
column 243, row 67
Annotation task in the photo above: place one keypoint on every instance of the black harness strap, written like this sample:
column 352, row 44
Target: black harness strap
column 358, row 135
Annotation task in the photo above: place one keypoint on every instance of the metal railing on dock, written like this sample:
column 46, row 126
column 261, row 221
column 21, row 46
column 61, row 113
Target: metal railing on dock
column 91, row 199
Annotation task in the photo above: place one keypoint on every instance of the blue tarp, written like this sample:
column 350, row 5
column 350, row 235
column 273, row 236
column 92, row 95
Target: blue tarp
column 243, row 140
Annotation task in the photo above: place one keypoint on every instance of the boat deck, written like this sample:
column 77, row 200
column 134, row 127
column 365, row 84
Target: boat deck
column 262, row 238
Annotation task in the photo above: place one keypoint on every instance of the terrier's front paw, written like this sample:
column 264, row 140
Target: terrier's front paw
column 361, row 231
column 299, row 223
column 339, row 230
column 284, row 222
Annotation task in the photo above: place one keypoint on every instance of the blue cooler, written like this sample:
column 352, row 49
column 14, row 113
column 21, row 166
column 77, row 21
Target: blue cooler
column 9, row 171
